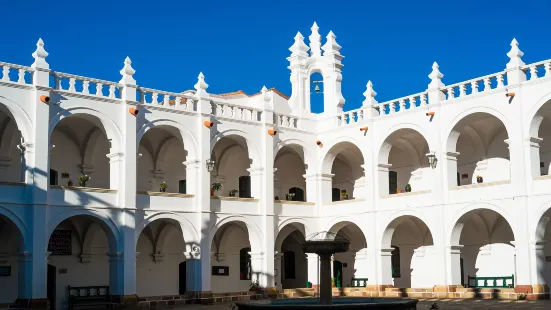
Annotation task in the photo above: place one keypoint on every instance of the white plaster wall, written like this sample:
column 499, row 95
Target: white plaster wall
column 233, row 164
column 290, row 173
column 12, row 171
column 9, row 250
column 343, row 178
column 301, row 270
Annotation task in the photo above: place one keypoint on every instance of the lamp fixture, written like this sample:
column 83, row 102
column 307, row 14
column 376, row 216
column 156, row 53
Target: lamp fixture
column 210, row 165
column 432, row 159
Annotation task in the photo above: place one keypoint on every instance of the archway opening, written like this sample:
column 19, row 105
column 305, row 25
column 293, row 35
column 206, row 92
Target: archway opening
column 291, row 262
column 161, row 160
column 543, row 256
column 409, row 240
column 233, row 168
column 11, row 245
column 345, row 162
column 12, row 161
column 317, row 90
column 353, row 264
column 232, row 263
column 82, row 249
column 161, row 247
column 403, row 164
column 541, row 137
column 289, row 181
column 484, row 239
column 478, row 151
column 79, row 147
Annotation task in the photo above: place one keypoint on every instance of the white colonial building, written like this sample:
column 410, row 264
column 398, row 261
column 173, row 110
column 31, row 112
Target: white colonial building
column 400, row 179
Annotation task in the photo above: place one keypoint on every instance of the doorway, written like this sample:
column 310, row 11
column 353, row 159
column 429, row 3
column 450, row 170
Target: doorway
column 51, row 285
column 337, row 273
column 182, row 278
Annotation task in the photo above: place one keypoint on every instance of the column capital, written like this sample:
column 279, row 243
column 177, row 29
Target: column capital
column 256, row 171
column 115, row 157
column 25, row 256
column 192, row 163
column 115, row 256
column 383, row 167
column 195, row 253
column 26, row 147
column 319, row 176
column 386, row 251
column 450, row 155
column 257, row 256
column 454, row 249
column 533, row 141
column 278, row 256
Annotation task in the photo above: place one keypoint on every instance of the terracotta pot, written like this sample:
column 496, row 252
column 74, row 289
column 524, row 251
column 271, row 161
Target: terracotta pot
column 212, row 192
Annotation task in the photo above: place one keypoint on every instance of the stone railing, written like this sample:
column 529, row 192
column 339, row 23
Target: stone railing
column 86, row 86
column 286, row 120
column 478, row 85
column 235, row 112
column 536, row 70
column 16, row 73
column 166, row 99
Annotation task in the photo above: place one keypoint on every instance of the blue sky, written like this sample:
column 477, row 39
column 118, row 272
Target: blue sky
column 244, row 44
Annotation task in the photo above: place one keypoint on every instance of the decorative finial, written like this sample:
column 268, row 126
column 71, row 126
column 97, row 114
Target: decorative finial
column 436, row 77
column 515, row 55
column 40, row 55
column 265, row 94
column 315, row 41
column 201, row 86
column 299, row 48
column 331, row 46
column 369, row 95
column 127, row 72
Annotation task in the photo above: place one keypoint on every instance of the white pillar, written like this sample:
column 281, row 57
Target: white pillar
column 194, row 262
column 313, row 268
column 532, row 156
column 278, row 270
column 257, row 175
column 386, row 267
column 362, row 265
column 537, row 261
column 453, row 258
column 382, row 180
column 192, row 171
column 257, row 272
column 24, row 275
column 450, row 166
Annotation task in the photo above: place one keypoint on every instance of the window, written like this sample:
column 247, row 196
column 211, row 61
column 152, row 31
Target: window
column 182, row 186
column 53, row 177
column 289, row 264
column 336, row 193
column 245, row 186
column 392, row 182
column 395, row 261
column 244, row 264
column 299, row 193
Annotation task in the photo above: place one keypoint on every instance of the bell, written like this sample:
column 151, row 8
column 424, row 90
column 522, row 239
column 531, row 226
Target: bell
column 317, row 88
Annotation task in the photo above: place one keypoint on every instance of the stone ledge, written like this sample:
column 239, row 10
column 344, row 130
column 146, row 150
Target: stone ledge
column 344, row 201
column 289, row 202
column 13, row 183
column 476, row 185
column 543, row 177
column 148, row 193
column 84, row 189
column 234, row 198
column 407, row 194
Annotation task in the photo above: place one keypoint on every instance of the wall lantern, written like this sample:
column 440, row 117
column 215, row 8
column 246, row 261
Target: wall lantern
column 432, row 159
column 210, row 165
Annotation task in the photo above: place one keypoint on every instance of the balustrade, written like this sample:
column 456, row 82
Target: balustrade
column 226, row 110
column 82, row 85
column 162, row 98
column 16, row 73
column 471, row 87
column 538, row 70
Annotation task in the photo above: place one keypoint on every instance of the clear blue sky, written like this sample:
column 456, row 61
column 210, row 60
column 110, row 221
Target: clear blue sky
column 244, row 44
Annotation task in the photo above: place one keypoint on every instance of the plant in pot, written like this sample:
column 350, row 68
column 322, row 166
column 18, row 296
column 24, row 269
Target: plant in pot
column 215, row 187
column 408, row 188
column 479, row 179
column 82, row 180
column 70, row 183
column 290, row 196
column 344, row 194
column 254, row 286
column 163, row 187
column 233, row 192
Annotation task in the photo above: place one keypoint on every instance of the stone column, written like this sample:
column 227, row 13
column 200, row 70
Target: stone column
column 382, row 181
column 313, row 268
column 360, row 186
column 362, row 265
column 325, row 290
column 257, row 260
column 278, row 270
column 25, row 275
column 532, row 155
column 257, row 175
column 454, row 264
column 192, row 170
column 537, row 261
column 194, row 260
column 386, row 267
column 450, row 167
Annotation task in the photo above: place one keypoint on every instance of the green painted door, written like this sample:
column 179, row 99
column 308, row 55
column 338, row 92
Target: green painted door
column 337, row 273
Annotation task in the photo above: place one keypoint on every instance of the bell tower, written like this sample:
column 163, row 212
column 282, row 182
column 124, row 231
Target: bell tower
column 306, row 60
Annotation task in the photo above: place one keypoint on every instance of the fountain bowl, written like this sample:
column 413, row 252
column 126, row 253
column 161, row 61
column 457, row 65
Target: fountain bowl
column 341, row 303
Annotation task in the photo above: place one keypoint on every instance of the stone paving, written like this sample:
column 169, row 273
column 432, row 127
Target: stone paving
column 443, row 304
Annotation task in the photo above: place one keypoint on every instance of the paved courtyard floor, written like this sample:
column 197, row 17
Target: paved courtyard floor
column 442, row 304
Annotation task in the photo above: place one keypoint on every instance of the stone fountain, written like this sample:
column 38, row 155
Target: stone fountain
column 325, row 244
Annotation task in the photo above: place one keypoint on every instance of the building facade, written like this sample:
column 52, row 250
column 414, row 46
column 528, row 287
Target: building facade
column 113, row 184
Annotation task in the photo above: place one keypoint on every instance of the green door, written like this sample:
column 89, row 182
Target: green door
column 337, row 273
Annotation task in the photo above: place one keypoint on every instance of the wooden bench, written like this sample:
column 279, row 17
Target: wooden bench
column 359, row 282
column 88, row 297
column 491, row 282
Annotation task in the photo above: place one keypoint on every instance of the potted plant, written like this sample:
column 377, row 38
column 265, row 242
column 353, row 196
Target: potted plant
column 163, row 187
column 332, row 282
column 82, row 180
column 215, row 187
column 479, row 179
column 408, row 188
column 254, row 286
column 70, row 183
column 233, row 192
column 289, row 196
column 344, row 194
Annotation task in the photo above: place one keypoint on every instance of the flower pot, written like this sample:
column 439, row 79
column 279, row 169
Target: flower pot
column 162, row 190
column 70, row 183
column 82, row 184
column 212, row 192
column 479, row 180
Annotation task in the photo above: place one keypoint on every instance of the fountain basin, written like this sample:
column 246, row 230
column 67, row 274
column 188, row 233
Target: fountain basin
column 338, row 303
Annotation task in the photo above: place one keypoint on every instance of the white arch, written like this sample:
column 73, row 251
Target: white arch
column 187, row 227
column 11, row 216
column 285, row 228
column 534, row 118
column 21, row 118
column 450, row 135
column 252, row 147
column 328, row 157
column 385, row 146
column 188, row 139
column 396, row 219
column 255, row 234
column 543, row 217
column 308, row 160
column 112, row 131
column 453, row 231
column 109, row 226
